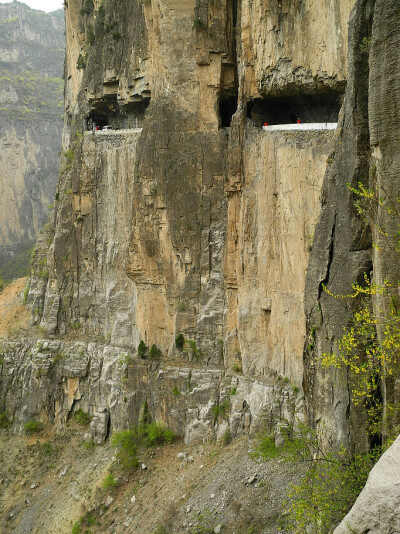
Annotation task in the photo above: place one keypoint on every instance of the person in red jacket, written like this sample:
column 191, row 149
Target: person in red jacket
column 298, row 121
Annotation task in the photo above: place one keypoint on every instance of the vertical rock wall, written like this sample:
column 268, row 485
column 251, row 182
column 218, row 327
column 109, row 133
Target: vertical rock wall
column 190, row 226
column 366, row 151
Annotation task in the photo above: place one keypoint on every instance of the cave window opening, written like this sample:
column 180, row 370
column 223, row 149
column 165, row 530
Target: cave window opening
column 110, row 114
column 96, row 121
column 320, row 107
column 227, row 108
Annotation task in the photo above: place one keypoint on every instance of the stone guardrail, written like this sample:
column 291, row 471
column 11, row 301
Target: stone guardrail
column 114, row 132
column 302, row 126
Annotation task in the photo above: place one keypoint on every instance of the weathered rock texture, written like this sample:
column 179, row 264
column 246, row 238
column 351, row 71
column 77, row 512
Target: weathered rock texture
column 192, row 220
column 188, row 226
column 49, row 381
column 377, row 509
column 31, row 59
column 366, row 151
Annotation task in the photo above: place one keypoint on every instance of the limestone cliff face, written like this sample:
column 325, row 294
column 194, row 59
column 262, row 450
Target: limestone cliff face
column 31, row 57
column 366, row 151
column 199, row 223
column 293, row 46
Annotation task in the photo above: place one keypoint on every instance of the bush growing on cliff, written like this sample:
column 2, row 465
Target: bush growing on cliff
column 180, row 341
column 199, row 24
column 146, row 435
column 369, row 349
column 33, row 426
column 327, row 491
column 81, row 62
column 331, row 484
column 4, row 421
column 155, row 353
column 142, row 350
column 154, row 434
column 82, row 418
column 368, row 356
column 126, row 443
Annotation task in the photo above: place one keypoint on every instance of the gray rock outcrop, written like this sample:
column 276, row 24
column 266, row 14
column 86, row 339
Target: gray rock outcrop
column 49, row 381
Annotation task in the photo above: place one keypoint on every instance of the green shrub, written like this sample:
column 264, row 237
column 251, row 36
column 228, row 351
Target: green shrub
column 330, row 486
column 175, row 391
column 87, row 445
column 81, row 63
column 4, row 421
column 180, row 341
column 198, row 24
column 82, row 418
column 69, row 155
column 227, row 437
column 25, row 294
column 100, row 21
column 327, row 491
column 33, row 426
column 365, row 44
column 90, row 34
column 86, row 521
column 142, row 350
column 153, row 434
column 237, row 368
column 221, row 410
column 109, row 482
column 126, row 442
column 155, row 353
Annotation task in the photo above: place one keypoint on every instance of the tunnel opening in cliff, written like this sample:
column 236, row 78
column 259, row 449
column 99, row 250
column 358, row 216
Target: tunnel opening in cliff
column 108, row 112
column 227, row 108
column 288, row 109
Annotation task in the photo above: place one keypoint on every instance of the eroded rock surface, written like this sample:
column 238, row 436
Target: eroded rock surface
column 199, row 223
column 48, row 381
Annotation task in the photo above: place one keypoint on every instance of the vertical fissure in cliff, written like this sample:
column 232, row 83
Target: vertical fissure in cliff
column 228, row 97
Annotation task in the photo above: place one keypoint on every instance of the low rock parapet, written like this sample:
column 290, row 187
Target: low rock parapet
column 126, row 131
column 301, row 126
